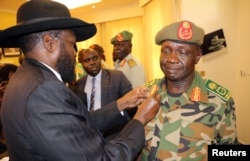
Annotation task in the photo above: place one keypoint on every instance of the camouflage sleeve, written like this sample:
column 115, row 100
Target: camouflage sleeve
column 227, row 127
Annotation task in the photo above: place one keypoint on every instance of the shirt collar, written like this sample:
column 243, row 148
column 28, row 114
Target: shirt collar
column 55, row 72
column 97, row 77
column 196, row 92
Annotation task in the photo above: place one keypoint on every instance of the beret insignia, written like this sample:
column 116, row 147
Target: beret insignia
column 119, row 37
column 185, row 31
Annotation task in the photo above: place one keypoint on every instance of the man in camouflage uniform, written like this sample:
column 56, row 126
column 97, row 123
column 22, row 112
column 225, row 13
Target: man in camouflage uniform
column 194, row 112
column 125, row 61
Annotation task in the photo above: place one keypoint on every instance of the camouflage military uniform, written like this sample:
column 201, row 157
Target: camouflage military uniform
column 188, row 122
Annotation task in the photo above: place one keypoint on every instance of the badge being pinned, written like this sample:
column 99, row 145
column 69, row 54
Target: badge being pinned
column 185, row 31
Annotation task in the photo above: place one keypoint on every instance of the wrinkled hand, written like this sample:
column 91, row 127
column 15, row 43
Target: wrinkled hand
column 133, row 98
column 149, row 108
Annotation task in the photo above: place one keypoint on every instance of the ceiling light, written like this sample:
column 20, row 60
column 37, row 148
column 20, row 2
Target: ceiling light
column 77, row 3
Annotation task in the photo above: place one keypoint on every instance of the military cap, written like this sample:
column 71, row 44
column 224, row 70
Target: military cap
column 183, row 32
column 122, row 36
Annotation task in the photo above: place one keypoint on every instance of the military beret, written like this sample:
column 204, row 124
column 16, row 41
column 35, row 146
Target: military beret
column 97, row 48
column 183, row 32
column 122, row 36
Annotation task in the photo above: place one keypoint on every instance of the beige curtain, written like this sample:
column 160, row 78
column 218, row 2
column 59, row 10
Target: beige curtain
column 156, row 14
column 94, row 39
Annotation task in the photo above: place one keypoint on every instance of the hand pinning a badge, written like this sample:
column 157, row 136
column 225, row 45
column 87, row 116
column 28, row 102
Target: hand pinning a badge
column 154, row 90
column 149, row 108
column 144, row 93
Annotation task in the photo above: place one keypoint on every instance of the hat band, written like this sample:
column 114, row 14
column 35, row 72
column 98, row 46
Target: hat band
column 185, row 42
column 38, row 20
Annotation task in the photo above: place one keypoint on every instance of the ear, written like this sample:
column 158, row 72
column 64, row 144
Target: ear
column 198, row 55
column 130, row 44
column 49, row 43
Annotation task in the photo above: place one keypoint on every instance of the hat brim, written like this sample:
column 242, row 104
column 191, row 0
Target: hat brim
column 83, row 30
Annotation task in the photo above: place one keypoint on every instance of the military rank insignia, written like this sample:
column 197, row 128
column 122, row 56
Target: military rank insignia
column 218, row 90
column 122, row 62
column 119, row 37
column 196, row 94
column 185, row 31
column 131, row 63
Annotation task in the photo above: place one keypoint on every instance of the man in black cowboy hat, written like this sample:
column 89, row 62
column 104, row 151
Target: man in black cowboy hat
column 42, row 118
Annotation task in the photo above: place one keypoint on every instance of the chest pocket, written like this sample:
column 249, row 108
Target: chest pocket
column 197, row 131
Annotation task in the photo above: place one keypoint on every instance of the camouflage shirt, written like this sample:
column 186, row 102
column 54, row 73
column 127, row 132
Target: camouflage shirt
column 187, row 123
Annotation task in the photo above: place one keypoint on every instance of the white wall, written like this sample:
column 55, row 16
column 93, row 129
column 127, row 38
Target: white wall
column 242, row 56
column 224, row 66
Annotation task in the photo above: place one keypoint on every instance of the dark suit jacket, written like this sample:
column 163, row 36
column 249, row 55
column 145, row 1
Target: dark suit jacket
column 114, row 85
column 44, row 120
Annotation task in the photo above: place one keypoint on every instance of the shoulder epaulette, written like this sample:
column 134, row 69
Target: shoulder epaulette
column 131, row 63
column 217, row 89
column 152, row 82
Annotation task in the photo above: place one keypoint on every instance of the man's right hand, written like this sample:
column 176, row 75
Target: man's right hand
column 149, row 108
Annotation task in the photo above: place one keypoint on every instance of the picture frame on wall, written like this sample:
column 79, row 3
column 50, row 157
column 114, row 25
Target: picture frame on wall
column 213, row 42
column 11, row 52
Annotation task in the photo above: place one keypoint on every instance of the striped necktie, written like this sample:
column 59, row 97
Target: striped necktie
column 92, row 96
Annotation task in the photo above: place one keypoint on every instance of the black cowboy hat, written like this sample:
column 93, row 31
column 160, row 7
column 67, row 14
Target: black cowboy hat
column 42, row 15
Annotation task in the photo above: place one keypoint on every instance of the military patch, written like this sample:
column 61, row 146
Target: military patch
column 196, row 94
column 122, row 62
column 185, row 31
column 218, row 90
column 119, row 37
column 131, row 63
